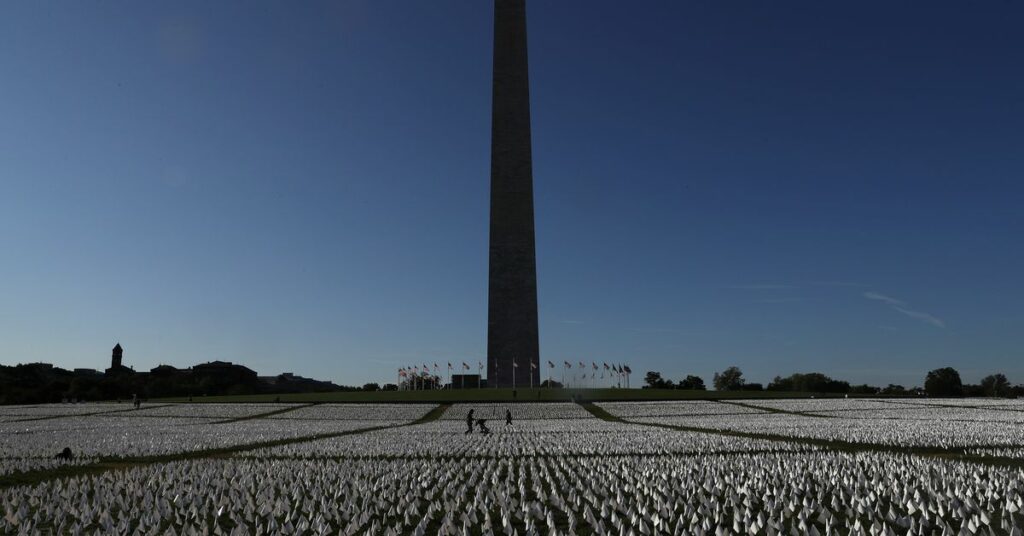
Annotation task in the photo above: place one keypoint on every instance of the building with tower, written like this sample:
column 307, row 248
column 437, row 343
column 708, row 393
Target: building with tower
column 116, row 367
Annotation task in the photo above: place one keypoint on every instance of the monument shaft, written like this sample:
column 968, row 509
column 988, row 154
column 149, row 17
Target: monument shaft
column 512, row 293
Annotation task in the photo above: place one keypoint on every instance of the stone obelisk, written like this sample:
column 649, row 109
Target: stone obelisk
column 512, row 294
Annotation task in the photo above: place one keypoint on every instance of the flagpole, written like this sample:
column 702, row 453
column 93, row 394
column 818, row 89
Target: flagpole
column 514, row 367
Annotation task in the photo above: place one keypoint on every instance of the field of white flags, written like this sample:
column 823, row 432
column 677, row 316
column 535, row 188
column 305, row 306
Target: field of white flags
column 643, row 468
column 895, row 423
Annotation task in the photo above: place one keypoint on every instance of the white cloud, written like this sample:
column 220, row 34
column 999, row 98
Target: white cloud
column 883, row 298
column 901, row 306
column 925, row 317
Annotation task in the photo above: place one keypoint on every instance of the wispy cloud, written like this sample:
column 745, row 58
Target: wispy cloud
column 883, row 298
column 901, row 307
column 924, row 317
column 761, row 287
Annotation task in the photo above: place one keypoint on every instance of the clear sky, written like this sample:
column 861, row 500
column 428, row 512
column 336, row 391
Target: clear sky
column 303, row 186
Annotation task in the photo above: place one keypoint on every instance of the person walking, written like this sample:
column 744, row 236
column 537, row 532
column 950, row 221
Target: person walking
column 508, row 417
column 469, row 422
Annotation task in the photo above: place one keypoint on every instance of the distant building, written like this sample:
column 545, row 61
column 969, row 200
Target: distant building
column 87, row 372
column 164, row 370
column 467, row 381
column 288, row 382
column 115, row 362
column 225, row 372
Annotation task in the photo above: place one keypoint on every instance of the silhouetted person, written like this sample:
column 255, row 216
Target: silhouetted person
column 482, row 423
column 469, row 422
column 136, row 401
column 508, row 417
column 65, row 454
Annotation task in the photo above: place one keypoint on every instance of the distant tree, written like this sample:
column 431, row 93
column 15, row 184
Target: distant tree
column 730, row 379
column 973, row 390
column 893, row 390
column 781, row 384
column 551, row 383
column 752, row 387
column 389, row 387
column 811, row 382
column 653, row 380
column 692, row 383
column 943, row 382
column 864, row 389
column 371, row 387
column 995, row 385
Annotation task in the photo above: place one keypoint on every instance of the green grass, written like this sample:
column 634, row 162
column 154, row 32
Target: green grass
column 264, row 415
column 502, row 395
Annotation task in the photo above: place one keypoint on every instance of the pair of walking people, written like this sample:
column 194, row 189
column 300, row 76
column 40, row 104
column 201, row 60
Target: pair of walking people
column 482, row 423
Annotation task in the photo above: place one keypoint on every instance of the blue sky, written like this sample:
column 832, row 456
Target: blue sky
column 786, row 187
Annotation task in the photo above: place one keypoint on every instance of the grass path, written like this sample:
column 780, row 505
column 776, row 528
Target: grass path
column 122, row 463
column 265, row 415
column 765, row 409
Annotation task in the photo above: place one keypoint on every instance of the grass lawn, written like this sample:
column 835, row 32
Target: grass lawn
column 502, row 395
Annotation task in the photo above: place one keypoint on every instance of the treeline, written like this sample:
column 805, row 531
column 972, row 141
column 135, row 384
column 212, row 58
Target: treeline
column 943, row 382
column 40, row 384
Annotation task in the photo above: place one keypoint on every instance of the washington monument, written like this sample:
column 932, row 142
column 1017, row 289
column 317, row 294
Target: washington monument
column 512, row 345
